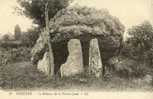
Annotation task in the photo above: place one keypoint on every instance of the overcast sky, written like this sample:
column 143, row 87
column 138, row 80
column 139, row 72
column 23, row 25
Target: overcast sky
column 130, row 12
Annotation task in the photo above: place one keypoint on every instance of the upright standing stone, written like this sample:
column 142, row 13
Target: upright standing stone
column 74, row 63
column 95, row 63
column 43, row 65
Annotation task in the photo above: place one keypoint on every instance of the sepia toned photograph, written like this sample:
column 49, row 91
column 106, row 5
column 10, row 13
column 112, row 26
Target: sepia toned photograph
column 83, row 45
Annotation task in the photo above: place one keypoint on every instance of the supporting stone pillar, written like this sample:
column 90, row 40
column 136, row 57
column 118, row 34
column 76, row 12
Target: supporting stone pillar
column 101, row 50
column 43, row 65
column 95, row 62
column 74, row 63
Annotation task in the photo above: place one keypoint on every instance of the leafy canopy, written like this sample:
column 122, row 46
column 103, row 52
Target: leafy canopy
column 35, row 9
column 140, row 44
column 142, row 36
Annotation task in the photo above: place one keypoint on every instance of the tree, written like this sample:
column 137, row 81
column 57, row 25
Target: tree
column 17, row 32
column 51, row 61
column 140, row 44
column 35, row 9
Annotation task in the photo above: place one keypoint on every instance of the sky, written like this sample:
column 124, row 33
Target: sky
column 130, row 12
column 8, row 19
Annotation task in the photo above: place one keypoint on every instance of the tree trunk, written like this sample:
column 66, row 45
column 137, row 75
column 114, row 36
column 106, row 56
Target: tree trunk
column 51, row 61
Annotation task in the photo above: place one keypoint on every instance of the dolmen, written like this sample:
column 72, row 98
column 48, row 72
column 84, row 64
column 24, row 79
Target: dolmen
column 82, row 41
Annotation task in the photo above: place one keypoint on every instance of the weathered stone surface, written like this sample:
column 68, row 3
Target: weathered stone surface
column 43, row 65
column 38, row 50
column 95, row 63
column 80, row 21
column 74, row 63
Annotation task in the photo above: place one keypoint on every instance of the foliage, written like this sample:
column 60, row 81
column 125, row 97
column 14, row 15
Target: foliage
column 12, row 55
column 128, row 68
column 35, row 9
column 17, row 32
column 20, row 75
column 30, row 37
column 140, row 44
column 137, row 52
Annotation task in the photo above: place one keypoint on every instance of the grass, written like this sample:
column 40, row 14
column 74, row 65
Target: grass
column 23, row 75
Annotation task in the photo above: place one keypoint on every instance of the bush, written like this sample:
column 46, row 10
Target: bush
column 30, row 37
column 21, row 54
column 14, row 55
column 20, row 76
column 139, row 45
column 125, row 67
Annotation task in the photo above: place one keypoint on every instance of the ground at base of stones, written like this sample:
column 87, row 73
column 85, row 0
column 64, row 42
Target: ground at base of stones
column 20, row 76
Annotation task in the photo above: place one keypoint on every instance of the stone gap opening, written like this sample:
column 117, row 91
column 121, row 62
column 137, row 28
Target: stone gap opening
column 60, row 51
column 85, row 45
column 85, row 52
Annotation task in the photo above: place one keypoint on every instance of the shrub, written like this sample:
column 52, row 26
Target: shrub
column 125, row 67
column 20, row 76
column 139, row 45
column 14, row 55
